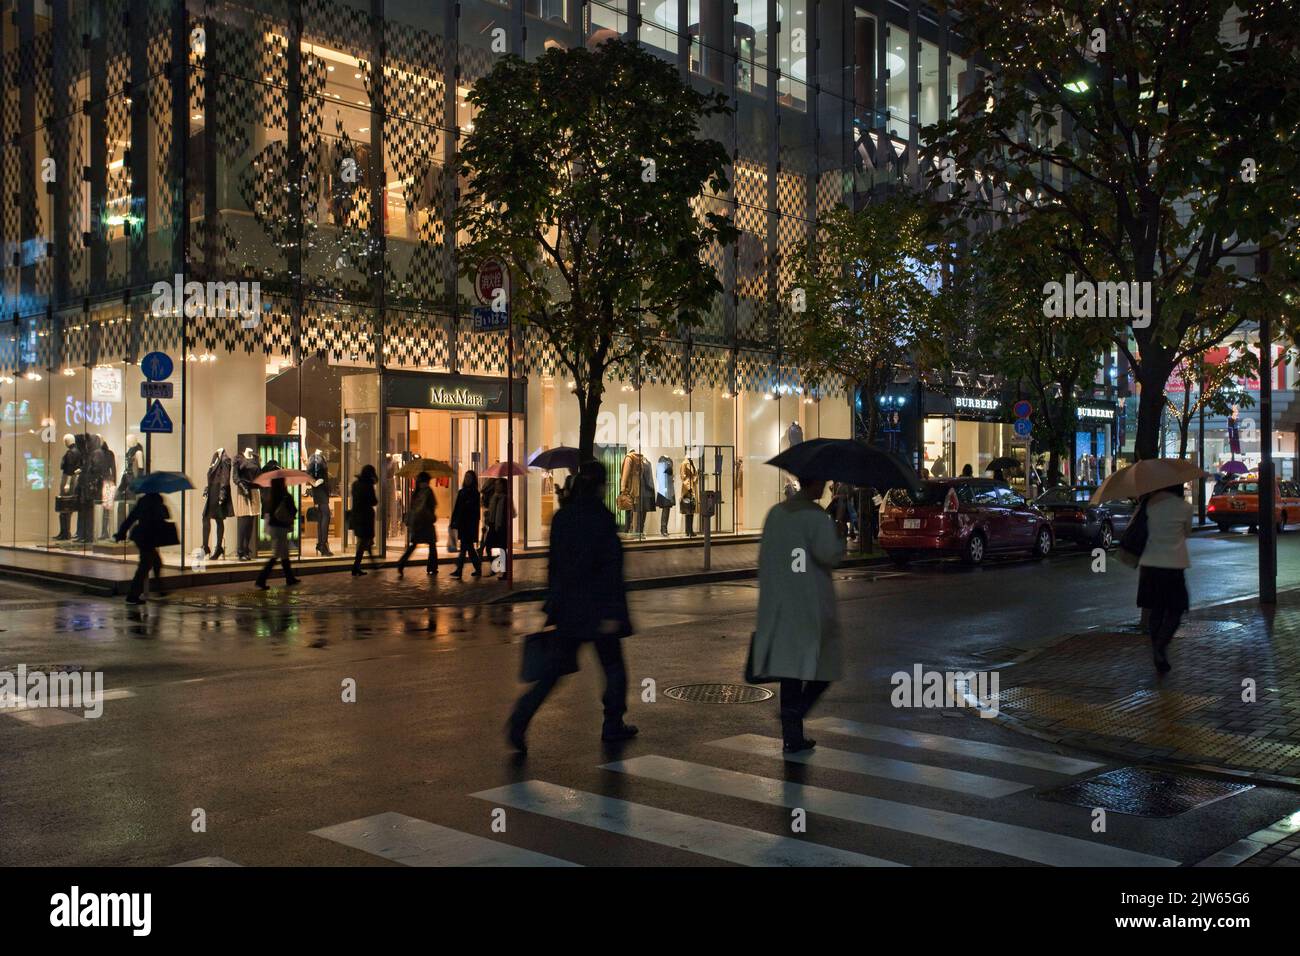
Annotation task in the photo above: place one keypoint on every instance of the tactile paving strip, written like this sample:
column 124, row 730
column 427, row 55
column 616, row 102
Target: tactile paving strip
column 1143, row 792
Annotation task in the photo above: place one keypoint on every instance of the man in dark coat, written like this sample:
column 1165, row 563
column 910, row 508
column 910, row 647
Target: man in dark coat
column 587, row 602
column 146, row 525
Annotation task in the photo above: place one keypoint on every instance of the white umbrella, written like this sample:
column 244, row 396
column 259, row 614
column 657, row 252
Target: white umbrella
column 1147, row 476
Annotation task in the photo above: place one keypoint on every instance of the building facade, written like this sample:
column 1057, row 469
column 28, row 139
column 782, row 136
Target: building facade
column 264, row 193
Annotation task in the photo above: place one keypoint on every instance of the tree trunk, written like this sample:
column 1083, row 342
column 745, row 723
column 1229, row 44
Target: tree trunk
column 588, row 415
column 1151, row 409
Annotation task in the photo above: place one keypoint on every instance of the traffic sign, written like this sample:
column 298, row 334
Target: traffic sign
column 155, row 389
column 488, row 320
column 1023, row 427
column 157, row 366
column 491, row 276
column 156, row 420
column 1022, row 409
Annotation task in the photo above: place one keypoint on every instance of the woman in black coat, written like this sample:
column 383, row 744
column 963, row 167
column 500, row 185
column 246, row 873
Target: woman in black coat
column 464, row 518
column 146, row 523
column 280, row 513
column 420, row 518
column 361, row 517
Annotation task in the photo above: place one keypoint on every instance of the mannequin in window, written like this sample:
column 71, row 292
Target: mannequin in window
column 665, row 497
column 69, row 468
column 793, row 434
column 88, row 488
column 106, row 475
column 318, row 468
column 690, row 493
column 132, row 469
column 248, row 504
column 635, row 475
column 216, row 501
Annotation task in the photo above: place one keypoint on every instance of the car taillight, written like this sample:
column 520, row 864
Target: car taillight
column 1212, row 507
column 950, row 502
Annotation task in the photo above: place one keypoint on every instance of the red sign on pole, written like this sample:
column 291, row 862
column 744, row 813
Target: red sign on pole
column 491, row 276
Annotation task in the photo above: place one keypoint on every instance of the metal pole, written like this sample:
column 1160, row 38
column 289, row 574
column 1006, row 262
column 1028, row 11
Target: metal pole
column 1267, row 523
column 510, row 447
column 1200, row 454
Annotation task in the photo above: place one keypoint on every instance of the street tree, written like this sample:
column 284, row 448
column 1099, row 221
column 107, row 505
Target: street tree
column 1215, row 377
column 585, row 169
column 1164, row 133
column 868, row 281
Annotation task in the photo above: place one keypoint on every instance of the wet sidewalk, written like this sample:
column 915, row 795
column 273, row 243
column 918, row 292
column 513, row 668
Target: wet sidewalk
column 1231, row 702
column 382, row 588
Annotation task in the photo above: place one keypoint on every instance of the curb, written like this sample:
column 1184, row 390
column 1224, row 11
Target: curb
column 1259, row 778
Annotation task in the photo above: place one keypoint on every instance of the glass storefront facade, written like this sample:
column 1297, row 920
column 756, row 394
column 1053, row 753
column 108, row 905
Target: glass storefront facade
column 301, row 154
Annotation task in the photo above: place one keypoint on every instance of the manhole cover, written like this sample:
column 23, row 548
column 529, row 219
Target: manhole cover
column 1144, row 793
column 718, row 693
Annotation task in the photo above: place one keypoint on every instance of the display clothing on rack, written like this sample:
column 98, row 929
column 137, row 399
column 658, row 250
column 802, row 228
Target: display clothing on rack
column 216, row 501
column 247, row 503
column 104, row 464
column 690, row 493
column 318, row 468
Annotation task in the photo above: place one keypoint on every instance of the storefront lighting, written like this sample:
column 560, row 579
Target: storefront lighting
column 627, row 387
column 727, row 395
column 679, row 391
column 6, row 380
column 33, row 376
column 573, row 386
column 69, row 371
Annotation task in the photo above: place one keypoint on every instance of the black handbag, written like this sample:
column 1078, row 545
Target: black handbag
column 313, row 513
column 547, row 653
column 65, row 504
column 1134, row 540
column 750, row 676
column 168, row 535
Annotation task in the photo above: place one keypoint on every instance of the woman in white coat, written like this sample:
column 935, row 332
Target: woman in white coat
column 1162, row 587
column 798, row 638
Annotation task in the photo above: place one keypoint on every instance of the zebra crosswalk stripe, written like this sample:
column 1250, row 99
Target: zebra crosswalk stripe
column 870, row 765
column 1037, row 846
column 1018, row 756
column 207, row 861
column 414, row 842
column 722, row 841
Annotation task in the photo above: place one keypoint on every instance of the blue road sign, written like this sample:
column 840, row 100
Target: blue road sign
column 157, row 367
column 486, row 320
column 156, row 420
column 1023, row 427
column 1022, row 409
column 156, row 390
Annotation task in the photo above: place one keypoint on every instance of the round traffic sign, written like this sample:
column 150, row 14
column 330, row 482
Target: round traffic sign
column 491, row 276
column 1023, row 427
column 1022, row 409
column 156, row 366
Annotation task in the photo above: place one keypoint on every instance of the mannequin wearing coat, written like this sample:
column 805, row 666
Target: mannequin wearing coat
column 665, row 497
column 318, row 468
column 637, row 487
column 690, row 493
column 248, row 504
column 69, row 469
column 216, row 500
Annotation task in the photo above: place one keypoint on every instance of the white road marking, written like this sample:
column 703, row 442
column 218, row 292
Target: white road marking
column 208, row 861
column 413, row 842
column 1023, row 843
column 722, row 841
column 1018, row 756
column 940, row 778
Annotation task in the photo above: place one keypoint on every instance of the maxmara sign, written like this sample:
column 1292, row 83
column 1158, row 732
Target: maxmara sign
column 453, row 392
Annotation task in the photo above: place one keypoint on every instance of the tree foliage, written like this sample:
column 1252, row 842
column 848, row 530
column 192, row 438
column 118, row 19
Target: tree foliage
column 1167, row 142
column 584, row 169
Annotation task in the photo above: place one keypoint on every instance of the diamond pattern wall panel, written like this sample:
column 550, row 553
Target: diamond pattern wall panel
column 345, row 332
column 416, row 340
column 539, row 355
column 117, row 134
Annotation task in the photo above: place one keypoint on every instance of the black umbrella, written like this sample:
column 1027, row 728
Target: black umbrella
column 561, row 456
column 1004, row 464
column 847, row 460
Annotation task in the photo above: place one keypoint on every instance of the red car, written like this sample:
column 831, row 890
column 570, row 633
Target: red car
column 966, row 517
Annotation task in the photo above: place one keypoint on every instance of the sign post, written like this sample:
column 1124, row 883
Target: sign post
column 157, row 368
column 1024, row 431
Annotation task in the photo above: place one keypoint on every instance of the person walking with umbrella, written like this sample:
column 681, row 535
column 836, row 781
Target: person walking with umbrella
column 464, row 518
column 420, row 521
column 797, row 641
column 1156, row 541
column 586, row 603
column 280, row 513
column 361, row 517
column 147, row 524
column 1162, row 583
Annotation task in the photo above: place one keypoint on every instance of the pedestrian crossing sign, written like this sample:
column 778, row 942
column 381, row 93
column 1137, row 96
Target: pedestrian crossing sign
column 156, row 420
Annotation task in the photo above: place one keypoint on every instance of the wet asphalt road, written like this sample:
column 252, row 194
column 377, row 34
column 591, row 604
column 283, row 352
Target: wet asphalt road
column 239, row 714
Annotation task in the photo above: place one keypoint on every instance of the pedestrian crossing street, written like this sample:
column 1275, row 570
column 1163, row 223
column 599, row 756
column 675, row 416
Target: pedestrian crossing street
column 405, row 840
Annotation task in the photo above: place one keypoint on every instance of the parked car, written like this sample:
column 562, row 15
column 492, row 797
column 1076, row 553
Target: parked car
column 1087, row 525
column 962, row 517
column 1238, row 504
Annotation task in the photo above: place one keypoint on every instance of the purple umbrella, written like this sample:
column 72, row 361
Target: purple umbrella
column 1233, row 467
